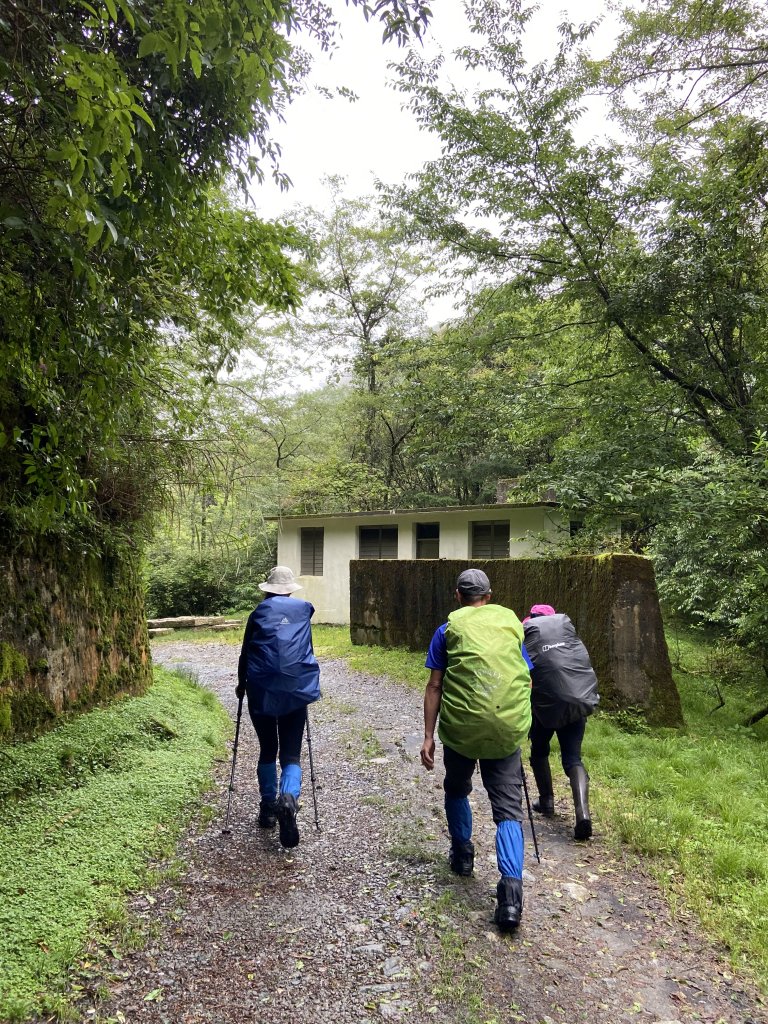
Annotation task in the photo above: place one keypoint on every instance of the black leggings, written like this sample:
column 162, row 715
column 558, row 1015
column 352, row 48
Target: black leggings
column 568, row 736
column 283, row 733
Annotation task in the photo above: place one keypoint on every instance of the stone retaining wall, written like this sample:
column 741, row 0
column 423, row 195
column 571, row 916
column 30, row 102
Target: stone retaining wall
column 72, row 632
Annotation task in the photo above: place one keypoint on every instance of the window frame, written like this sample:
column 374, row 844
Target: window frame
column 314, row 557
column 380, row 542
column 493, row 524
column 420, row 540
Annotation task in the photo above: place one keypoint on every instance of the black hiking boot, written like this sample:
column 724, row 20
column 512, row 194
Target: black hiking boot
column 509, row 905
column 461, row 858
column 267, row 813
column 580, row 789
column 541, row 772
column 286, row 816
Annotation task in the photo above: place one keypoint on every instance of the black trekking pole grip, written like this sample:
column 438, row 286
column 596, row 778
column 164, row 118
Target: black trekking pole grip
column 226, row 830
column 530, row 812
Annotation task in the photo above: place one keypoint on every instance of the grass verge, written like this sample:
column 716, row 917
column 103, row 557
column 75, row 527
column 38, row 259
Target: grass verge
column 83, row 808
column 397, row 662
column 694, row 802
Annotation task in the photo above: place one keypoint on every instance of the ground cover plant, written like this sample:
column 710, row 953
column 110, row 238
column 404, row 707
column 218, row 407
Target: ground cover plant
column 83, row 808
column 694, row 802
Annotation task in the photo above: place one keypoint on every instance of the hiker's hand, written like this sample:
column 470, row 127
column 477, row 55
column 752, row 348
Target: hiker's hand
column 428, row 754
column 240, row 691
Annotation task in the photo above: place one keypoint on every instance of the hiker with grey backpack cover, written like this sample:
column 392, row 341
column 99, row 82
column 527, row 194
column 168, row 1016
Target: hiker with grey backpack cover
column 563, row 695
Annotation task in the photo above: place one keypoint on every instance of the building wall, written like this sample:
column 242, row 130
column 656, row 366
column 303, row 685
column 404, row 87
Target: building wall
column 525, row 523
column 329, row 593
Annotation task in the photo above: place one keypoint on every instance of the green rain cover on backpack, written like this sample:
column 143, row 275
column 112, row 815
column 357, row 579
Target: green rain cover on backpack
column 485, row 711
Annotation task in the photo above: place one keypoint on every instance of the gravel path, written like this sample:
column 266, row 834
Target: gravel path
column 363, row 922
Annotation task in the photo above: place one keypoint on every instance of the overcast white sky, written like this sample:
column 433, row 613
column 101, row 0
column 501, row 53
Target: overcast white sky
column 374, row 137
column 370, row 138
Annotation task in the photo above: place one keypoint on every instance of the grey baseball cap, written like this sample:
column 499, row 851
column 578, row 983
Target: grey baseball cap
column 473, row 583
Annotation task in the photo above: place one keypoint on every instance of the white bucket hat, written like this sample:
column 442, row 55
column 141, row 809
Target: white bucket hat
column 280, row 581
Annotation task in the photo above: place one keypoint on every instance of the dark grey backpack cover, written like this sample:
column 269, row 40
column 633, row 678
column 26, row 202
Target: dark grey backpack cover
column 564, row 682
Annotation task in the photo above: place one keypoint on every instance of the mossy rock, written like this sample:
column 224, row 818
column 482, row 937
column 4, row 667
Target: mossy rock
column 13, row 664
column 31, row 712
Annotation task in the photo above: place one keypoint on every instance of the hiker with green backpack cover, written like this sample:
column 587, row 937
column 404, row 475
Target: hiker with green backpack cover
column 480, row 688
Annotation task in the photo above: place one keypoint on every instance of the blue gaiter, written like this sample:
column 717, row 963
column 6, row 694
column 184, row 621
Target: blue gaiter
column 267, row 776
column 509, row 848
column 290, row 780
column 459, row 815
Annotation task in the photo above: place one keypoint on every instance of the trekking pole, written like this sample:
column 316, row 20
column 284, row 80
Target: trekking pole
column 530, row 812
column 312, row 773
column 227, row 830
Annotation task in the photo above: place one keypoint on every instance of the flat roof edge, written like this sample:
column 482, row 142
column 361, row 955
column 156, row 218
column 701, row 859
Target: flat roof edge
column 379, row 513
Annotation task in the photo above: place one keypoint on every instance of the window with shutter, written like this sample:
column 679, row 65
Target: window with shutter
column 378, row 542
column 312, row 551
column 490, row 540
column 427, row 540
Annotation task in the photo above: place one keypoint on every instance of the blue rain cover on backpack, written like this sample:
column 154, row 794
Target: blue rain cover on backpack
column 282, row 674
column 564, row 684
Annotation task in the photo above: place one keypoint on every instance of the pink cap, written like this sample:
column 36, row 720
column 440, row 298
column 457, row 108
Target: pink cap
column 542, row 609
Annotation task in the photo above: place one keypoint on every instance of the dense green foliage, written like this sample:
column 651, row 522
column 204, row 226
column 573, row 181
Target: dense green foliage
column 124, row 262
column 129, row 269
column 656, row 241
column 363, row 316
column 122, row 259
column 82, row 810
column 694, row 807
column 206, row 584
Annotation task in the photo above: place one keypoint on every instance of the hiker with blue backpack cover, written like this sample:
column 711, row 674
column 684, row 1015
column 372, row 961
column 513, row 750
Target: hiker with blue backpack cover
column 279, row 673
column 480, row 688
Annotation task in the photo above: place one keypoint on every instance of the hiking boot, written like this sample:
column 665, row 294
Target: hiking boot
column 509, row 905
column 461, row 858
column 267, row 813
column 580, row 789
column 286, row 816
column 542, row 774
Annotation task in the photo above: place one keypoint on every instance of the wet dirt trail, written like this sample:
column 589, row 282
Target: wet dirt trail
column 363, row 922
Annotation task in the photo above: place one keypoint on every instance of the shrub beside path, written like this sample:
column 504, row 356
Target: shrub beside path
column 363, row 922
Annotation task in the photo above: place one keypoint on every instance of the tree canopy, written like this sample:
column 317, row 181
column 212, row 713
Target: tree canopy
column 123, row 255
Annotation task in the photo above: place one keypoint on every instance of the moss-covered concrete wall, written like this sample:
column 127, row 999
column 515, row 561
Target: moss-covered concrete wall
column 612, row 600
column 72, row 632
